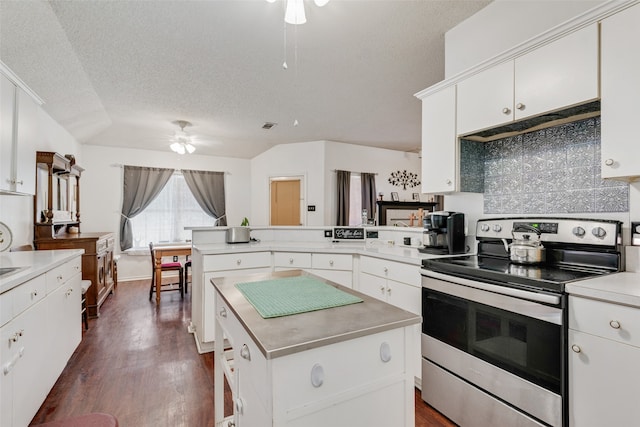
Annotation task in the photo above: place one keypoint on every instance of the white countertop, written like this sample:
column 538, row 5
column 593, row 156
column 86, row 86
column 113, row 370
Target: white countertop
column 400, row 253
column 619, row 288
column 32, row 264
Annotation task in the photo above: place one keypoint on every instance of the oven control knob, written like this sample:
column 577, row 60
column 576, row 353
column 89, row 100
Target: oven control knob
column 578, row 231
column 484, row 227
column 599, row 232
column 497, row 228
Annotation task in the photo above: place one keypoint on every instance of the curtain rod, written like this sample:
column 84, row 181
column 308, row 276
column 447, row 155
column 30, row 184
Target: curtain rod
column 373, row 173
column 120, row 165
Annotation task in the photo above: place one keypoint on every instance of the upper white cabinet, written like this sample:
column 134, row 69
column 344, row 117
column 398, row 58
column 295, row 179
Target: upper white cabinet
column 439, row 141
column 620, row 67
column 19, row 127
column 557, row 75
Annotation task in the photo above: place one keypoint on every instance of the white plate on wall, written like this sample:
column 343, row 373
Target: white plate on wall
column 6, row 238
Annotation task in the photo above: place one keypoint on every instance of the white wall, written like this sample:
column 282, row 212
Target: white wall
column 502, row 25
column 306, row 159
column 17, row 211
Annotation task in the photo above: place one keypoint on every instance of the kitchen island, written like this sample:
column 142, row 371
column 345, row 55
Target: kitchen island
column 341, row 366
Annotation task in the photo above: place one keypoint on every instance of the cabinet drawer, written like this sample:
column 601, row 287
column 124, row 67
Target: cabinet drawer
column 247, row 358
column 400, row 272
column 342, row 366
column 62, row 273
column 237, row 261
column 616, row 322
column 22, row 297
column 292, row 259
column 332, row 261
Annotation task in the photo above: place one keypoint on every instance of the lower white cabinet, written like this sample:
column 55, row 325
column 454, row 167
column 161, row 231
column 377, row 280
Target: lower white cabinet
column 397, row 284
column 202, row 295
column 604, row 350
column 40, row 336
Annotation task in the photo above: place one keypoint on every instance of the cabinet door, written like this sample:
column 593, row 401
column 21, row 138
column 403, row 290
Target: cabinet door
column 603, row 386
column 486, row 99
column 9, row 356
column 7, row 100
column 27, row 135
column 560, row 74
column 439, row 142
column 620, row 62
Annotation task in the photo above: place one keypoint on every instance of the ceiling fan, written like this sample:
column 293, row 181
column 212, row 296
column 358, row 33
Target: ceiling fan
column 181, row 141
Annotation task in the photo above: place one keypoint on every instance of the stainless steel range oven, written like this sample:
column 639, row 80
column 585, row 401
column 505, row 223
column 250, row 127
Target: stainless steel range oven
column 494, row 349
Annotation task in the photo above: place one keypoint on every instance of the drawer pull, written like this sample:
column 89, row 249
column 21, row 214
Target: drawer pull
column 223, row 312
column 290, row 260
column 386, row 270
column 382, row 289
column 385, row 352
column 239, row 406
column 317, row 375
column 614, row 324
column 239, row 262
column 576, row 348
column 9, row 366
column 331, row 263
column 245, row 353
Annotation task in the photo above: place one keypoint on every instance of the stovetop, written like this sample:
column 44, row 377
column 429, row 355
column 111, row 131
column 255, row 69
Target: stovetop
column 501, row 271
column 576, row 249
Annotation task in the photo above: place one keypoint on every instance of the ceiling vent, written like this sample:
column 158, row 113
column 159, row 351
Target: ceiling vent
column 268, row 125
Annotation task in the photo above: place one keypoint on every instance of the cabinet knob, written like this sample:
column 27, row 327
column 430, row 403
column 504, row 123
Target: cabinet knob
column 290, row 260
column 386, row 270
column 69, row 291
column 388, row 291
column 331, row 263
column 34, row 293
column 245, row 353
column 520, row 106
column 506, row 110
column 385, row 352
column 382, row 289
column 609, row 162
column 448, row 182
column 239, row 406
column 576, row 348
column 614, row 324
column 59, row 278
column 317, row 375
column 239, row 261
column 223, row 312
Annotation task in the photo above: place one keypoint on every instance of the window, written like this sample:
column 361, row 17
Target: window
column 355, row 200
column 165, row 218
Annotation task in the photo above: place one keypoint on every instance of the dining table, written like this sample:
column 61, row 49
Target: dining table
column 161, row 251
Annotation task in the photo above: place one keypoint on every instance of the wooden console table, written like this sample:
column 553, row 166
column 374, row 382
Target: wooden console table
column 166, row 251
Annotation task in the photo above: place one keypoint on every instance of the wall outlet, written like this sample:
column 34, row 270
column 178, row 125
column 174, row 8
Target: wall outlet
column 311, row 208
column 328, row 233
column 175, row 258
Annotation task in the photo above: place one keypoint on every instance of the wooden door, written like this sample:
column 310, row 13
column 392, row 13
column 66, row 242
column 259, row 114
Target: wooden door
column 285, row 202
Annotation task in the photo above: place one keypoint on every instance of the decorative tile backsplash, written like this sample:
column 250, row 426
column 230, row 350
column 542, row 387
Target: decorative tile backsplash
column 549, row 171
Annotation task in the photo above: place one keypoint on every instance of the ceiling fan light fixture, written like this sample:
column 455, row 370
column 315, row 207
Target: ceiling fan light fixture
column 294, row 14
column 182, row 140
column 319, row 3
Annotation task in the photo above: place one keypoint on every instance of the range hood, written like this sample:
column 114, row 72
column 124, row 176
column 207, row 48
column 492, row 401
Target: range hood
column 544, row 121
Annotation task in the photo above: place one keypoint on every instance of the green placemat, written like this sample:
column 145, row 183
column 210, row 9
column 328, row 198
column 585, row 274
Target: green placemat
column 293, row 295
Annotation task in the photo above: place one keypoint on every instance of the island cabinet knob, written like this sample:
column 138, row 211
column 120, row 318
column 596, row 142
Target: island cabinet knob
column 245, row 353
column 385, row 352
column 317, row 375
column 520, row 106
column 239, row 261
column 386, row 270
column 576, row 348
column 382, row 289
column 290, row 260
column 609, row 162
column 506, row 110
column 223, row 312
column 331, row 263
column 614, row 324
column 448, row 182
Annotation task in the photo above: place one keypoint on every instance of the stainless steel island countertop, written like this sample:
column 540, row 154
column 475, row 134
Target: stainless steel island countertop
column 280, row 336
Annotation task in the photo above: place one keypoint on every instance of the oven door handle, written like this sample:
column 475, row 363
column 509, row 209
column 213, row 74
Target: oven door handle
column 504, row 290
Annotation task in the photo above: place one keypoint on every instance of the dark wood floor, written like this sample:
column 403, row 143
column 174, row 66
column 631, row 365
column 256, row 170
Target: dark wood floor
column 139, row 363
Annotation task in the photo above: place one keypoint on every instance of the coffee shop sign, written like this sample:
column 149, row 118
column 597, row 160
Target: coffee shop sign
column 349, row 233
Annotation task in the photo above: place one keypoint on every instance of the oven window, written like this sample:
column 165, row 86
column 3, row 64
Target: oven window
column 524, row 346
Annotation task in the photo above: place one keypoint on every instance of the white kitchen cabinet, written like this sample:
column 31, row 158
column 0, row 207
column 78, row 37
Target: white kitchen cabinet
column 206, row 267
column 604, row 349
column 439, row 142
column 620, row 68
column 38, row 340
column 335, row 267
column 19, row 133
column 398, row 284
column 557, row 75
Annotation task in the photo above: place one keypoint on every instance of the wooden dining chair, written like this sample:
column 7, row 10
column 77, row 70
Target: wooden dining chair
column 166, row 266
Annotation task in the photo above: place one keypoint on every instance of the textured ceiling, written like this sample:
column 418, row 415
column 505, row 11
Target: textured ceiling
column 118, row 73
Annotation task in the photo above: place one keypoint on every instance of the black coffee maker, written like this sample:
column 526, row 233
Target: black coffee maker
column 443, row 233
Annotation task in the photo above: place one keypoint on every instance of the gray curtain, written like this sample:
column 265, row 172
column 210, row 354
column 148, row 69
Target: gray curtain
column 141, row 186
column 368, row 181
column 344, row 186
column 208, row 189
